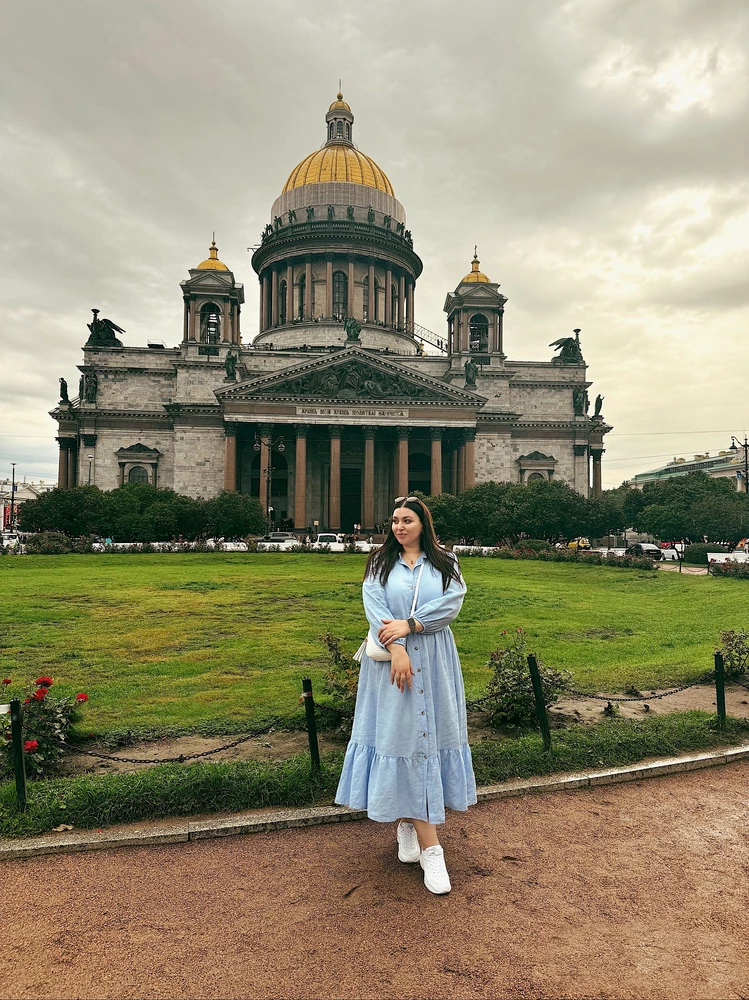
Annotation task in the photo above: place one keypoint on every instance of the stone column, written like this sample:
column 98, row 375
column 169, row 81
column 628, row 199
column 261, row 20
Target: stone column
column 192, row 333
column 300, row 478
column 274, row 298
column 372, row 309
column 334, row 496
column 289, row 293
column 402, row 480
column 368, row 518
column 410, row 326
column 62, row 464
column 72, row 463
column 455, row 335
column 461, row 453
column 264, row 432
column 454, row 469
column 388, row 297
column 402, row 302
column 436, row 484
column 328, row 289
column 186, row 326
column 350, row 303
column 264, row 303
column 230, row 457
column 597, row 454
column 309, row 292
column 470, row 460
column 121, row 474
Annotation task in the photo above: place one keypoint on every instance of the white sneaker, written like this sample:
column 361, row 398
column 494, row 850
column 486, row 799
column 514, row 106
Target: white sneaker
column 436, row 879
column 408, row 844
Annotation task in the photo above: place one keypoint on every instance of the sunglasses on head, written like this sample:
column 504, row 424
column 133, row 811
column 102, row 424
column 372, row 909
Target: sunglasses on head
column 400, row 500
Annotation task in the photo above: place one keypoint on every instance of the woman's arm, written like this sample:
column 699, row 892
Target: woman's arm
column 437, row 614
column 376, row 609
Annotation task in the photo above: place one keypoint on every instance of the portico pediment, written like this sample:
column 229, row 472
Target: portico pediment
column 351, row 375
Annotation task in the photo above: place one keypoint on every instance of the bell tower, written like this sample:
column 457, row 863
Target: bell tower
column 212, row 301
column 475, row 311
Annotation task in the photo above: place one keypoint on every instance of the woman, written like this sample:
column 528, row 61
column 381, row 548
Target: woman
column 409, row 757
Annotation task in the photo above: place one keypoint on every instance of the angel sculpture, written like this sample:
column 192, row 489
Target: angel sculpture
column 569, row 349
column 103, row 332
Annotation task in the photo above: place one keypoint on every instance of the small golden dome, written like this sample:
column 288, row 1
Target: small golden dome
column 338, row 162
column 475, row 274
column 213, row 263
column 339, row 103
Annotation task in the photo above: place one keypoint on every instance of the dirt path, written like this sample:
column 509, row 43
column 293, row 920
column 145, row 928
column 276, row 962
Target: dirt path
column 636, row 890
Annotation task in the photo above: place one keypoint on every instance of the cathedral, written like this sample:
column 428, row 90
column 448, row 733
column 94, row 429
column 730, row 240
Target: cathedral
column 341, row 401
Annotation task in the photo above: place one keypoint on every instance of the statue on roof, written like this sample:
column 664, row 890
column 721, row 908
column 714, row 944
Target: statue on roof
column 599, row 406
column 64, row 398
column 310, row 213
column 352, row 327
column 102, row 332
column 471, row 370
column 570, row 352
column 230, row 364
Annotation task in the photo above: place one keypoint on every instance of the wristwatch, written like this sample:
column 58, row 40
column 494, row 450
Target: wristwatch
column 411, row 622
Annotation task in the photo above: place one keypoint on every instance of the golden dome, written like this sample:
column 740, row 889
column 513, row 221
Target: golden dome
column 475, row 274
column 339, row 103
column 338, row 162
column 213, row 263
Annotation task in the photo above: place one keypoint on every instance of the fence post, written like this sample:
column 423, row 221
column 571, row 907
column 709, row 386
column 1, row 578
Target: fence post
column 19, row 766
column 538, row 693
column 309, row 711
column 720, row 689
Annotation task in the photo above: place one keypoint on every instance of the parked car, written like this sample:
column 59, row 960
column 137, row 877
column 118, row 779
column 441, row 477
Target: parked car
column 282, row 540
column 670, row 555
column 645, row 549
column 579, row 543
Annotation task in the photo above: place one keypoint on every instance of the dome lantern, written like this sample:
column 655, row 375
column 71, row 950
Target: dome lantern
column 340, row 122
column 475, row 274
column 212, row 263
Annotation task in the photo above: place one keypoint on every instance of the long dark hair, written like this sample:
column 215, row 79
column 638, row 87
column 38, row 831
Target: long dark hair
column 382, row 560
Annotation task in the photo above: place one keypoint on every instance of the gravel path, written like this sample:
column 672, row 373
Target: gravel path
column 636, row 890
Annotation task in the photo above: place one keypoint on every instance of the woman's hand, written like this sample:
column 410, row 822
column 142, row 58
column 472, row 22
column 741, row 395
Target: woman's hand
column 401, row 670
column 392, row 629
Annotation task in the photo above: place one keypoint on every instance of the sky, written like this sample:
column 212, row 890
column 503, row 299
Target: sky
column 596, row 151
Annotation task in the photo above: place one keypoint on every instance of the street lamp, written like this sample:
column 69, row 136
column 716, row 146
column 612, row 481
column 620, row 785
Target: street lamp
column 90, row 460
column 270, row 444
column 13, row 498
column 735, row 445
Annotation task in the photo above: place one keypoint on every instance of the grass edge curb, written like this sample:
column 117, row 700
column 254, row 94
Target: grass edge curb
column 154, row 833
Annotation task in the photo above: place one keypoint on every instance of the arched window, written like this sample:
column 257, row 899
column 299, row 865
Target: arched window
column 210, row 323
column 340, row 295
column 376, row 302
column 348, row 131
column 365, row 300
column 282, row 302
column 339, row 129
column 394, row 305
column 479, row 330
column 138, row 474
column 331, row 130
column 535, row 477
column 302, row 293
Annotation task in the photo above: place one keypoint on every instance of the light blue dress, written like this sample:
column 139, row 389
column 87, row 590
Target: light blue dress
column 409, row 754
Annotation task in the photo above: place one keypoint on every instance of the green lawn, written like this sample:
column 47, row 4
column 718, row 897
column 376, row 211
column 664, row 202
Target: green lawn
column 217, row 641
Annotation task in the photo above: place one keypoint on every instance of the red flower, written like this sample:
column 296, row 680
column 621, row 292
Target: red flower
column 30, row 746
column 81, row 697
column 26, row 701
column 40, row 694
column 6, row 680
column 44, row 682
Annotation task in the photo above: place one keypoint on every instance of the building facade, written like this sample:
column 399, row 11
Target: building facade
column 341, row 401
column 732, row 464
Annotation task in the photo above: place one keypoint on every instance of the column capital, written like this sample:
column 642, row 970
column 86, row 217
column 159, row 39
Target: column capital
column 301, row 430
column 404, row 433
column 579, row 450
column 335, row 430
column 437, row 433
column 597, row 453
column 230, row 430
column 469, row 434
column 265, row 430
column 369, row 431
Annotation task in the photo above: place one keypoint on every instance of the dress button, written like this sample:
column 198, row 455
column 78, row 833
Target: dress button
column 423, row 734
column 425, row 756
column 416, row 647
column 418, row 670
column 423, row 713
column 421, row 690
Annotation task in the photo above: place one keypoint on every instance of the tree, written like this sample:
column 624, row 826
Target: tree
column 77, row 511
column 232, row 515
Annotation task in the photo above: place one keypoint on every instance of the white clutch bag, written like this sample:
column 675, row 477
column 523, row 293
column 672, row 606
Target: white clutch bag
column 373, row 649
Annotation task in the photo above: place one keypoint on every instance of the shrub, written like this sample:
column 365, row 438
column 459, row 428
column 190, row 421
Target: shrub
column 739, row 571
column 342, row 675
column 48, row 543
column 535, row 544
column 696, row 554
column 735, row 648
column 510, row 688
column 46, row 728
